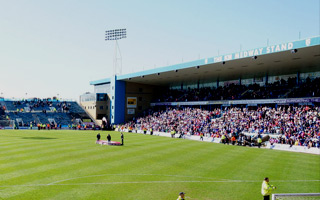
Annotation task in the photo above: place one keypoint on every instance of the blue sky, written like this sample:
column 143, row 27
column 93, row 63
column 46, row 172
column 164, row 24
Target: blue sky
column 57, row 47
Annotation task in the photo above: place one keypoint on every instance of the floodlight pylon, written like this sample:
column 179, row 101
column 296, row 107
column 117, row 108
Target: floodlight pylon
column 116, row 34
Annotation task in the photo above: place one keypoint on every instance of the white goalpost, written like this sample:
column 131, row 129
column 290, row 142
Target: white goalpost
column 296, row 196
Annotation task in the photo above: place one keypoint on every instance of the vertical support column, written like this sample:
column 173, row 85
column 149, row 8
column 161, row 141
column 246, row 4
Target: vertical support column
column 298, row 78
column 118, row 95
column 267, row 77
column 112, row 99
column 181, row 86
column 240, row 81
column 217, row 83
column 198, row 84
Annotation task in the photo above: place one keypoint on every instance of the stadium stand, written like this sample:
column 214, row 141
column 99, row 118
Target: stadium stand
column 281, row 74
column 271, row 91
column 294, row 124
column 278, row 89
column 58, row 114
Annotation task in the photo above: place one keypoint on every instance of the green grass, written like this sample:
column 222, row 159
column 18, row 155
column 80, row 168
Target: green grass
column 69, row 165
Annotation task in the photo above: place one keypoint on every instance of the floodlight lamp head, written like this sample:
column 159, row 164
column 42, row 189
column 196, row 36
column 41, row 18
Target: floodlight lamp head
column 197, row 67
column 254, row 58
column 116, row 34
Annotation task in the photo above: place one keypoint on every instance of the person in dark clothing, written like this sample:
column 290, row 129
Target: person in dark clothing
column 121, row 138
column 109, row 138
column 98, row 137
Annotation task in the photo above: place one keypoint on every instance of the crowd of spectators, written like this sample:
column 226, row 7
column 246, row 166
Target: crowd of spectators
column 310, row 88
column 279, row 89
column 2, row 112
column 43, row 104
column 293, row 125
column 45, row 114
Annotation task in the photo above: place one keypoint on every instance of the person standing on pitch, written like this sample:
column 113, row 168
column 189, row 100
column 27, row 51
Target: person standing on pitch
column 151, row 131
column 98, row 137
column 259, row 141
column 266, row 189
column 201, row 136
column 109, row 138
column 173, row 132
column 181, row 196
column 121, row 138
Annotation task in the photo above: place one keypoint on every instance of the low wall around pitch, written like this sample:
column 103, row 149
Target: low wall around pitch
column 281, row 147
column 294, row 148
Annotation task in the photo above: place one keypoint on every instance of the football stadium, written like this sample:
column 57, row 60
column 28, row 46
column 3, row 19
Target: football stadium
column 238, row 126
column 212, row 128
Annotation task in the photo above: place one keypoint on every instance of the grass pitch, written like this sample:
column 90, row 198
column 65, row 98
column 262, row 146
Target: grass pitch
column 69, row 165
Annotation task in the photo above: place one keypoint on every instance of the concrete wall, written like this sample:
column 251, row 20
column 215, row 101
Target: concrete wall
column 90, row 107
column 93, row 109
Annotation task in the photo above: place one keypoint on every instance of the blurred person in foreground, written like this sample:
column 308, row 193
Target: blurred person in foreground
column 181, row 196
column 266, row 189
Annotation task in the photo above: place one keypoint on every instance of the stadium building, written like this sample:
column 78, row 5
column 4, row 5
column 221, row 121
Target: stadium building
column 122, row 97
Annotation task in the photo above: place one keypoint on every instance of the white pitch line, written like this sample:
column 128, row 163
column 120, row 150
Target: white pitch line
column 148, row 182
column 129, row 175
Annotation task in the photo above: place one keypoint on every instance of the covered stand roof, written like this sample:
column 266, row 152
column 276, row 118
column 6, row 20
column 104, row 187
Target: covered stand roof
column 286, row 58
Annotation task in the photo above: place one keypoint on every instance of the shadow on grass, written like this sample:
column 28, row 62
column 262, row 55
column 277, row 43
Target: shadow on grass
column 39, row 138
